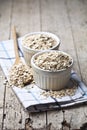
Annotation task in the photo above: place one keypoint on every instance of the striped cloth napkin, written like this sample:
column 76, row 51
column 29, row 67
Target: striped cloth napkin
column 30, row 96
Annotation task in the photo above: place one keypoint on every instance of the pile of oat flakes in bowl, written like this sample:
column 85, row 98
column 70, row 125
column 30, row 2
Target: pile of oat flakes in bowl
column 53, row 61
column 39, row 42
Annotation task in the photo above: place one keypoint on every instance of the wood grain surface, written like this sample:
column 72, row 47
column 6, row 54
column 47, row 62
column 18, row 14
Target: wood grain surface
column 68, row 20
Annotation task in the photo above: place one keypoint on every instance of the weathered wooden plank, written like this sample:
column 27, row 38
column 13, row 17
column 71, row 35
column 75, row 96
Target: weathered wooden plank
column 2, row 77
column 2, row 92
column 15, row 117
column 77, row 14
column 76, row 117
column 5, row 14
column 1, row 117
column 39, row 120
column 55, row 19
column 26, row 17
column 64, row 18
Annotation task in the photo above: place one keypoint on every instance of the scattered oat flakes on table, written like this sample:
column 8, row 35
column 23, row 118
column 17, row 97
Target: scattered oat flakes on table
column 61, row 93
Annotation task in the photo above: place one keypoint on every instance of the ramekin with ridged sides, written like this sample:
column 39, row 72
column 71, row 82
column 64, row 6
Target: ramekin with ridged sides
column 29, row 52
column 50, row 80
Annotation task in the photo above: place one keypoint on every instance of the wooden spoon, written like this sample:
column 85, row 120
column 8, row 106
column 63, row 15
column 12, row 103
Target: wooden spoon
column 17, row 60
column 19, row 67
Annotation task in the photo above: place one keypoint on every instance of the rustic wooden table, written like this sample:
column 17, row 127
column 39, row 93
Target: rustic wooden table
column 68, row 20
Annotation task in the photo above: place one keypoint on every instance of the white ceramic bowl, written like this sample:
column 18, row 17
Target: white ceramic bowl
column 28, row 52
column 50, row 80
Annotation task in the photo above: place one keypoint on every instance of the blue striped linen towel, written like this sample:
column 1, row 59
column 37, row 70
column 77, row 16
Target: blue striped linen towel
column 30, row 96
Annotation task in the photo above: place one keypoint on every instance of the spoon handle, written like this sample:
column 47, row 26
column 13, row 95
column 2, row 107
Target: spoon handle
column 15, row 42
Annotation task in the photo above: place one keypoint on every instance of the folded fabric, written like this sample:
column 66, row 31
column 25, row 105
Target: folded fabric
column 30, row 96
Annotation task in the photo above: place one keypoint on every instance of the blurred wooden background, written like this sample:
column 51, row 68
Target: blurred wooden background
column 68, row 20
